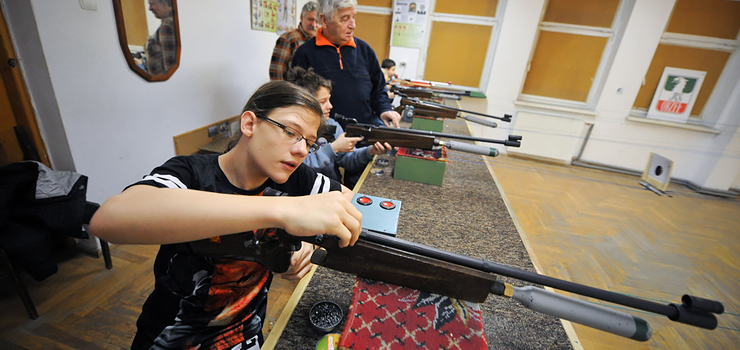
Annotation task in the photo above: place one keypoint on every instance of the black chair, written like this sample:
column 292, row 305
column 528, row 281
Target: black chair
column 14, row 272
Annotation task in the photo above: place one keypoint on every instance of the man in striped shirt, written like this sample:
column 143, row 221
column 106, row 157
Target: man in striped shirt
column 287, row 43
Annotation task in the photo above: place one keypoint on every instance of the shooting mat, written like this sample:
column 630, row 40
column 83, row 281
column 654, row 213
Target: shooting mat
column 466, row 215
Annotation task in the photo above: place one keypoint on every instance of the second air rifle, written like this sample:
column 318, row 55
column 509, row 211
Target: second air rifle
column 435, row 110
column 422, row 139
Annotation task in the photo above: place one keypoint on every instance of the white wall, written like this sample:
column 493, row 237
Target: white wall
column 119, row 126
column 707, row 160
column 102, row 120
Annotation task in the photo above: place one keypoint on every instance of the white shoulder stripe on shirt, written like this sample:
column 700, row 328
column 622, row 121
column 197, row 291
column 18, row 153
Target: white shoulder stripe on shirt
column 167, row 180
column 321, row 184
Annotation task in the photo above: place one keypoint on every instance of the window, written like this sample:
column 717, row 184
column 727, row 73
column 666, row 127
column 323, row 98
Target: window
column 701, row 35
column 574, row 46
column 461, row 34
column 374, row 23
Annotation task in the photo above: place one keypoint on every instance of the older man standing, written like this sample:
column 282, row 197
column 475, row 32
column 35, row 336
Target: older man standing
column 161, row 47
column 350, row 64
column 288, row 42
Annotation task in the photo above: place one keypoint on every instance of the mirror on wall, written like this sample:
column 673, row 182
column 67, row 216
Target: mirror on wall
column 149, row 35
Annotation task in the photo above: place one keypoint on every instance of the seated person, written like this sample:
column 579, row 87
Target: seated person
column 389, row 71
column 341, row 152
column 202, row 302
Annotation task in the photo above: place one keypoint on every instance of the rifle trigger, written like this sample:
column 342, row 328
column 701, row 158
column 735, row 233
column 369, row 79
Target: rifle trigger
column 249, row 243
column 319, row 256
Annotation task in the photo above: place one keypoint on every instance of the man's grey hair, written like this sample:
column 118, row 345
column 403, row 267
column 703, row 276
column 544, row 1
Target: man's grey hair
column 330, row 7
column 308, row 7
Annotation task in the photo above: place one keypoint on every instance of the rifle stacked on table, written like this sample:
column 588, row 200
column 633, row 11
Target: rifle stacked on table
column 421, row 139
column 416, row 101
column 388, row 259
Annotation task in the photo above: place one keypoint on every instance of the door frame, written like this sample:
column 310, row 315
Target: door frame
column 20, row 99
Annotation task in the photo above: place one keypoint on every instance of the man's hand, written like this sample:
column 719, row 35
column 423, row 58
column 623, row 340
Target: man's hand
column 379, row 148
column 391, row 118
column 300, row 263
column 344, row 143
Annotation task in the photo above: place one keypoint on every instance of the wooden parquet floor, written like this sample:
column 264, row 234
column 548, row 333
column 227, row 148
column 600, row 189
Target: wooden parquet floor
column 589, row 226
column 605, row 230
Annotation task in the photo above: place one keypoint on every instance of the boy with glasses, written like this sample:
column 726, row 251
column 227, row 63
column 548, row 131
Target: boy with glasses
column 218, row 303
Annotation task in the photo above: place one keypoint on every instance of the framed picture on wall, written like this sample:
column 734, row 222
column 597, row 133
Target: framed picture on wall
column 264, row 15
column 285, row 16
column 675, row 95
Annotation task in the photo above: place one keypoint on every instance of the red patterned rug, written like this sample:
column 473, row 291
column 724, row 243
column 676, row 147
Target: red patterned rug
column 386, row 316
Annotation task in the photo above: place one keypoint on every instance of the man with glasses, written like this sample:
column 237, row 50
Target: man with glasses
column 349, row 63
column 212, row 302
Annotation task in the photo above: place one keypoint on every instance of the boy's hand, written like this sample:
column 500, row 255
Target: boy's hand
column 326, row 213
column 300, row 263
column 380, row 148
column 344, row 143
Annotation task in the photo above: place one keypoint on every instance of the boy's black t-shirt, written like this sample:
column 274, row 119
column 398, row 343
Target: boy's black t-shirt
column 210, row 303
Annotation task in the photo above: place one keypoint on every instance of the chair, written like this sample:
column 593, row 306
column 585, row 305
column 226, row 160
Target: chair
column 8, row 264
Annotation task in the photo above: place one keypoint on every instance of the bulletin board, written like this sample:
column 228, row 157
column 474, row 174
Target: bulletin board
column 264, row 15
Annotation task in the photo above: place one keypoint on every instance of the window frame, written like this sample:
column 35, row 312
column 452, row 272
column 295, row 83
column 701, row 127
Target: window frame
column 493, row 22
column 614, row 35
column 724, row 83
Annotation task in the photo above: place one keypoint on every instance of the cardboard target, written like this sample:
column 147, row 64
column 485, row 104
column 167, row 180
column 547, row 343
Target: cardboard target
column 658, row 171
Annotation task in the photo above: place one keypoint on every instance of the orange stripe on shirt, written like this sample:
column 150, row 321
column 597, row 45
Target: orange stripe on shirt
column 321, row 40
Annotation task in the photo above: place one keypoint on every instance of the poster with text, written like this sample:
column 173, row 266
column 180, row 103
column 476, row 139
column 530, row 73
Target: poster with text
column 409, row 23
column 285, row 16
column 264, row 15
column 676, row 93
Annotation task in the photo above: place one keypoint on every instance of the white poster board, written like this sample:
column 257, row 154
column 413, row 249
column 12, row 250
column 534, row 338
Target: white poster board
column 676, row 93
column 286, row 15
column 409, row 23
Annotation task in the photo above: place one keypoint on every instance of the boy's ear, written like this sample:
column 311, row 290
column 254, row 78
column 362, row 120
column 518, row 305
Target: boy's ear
column 248, row 121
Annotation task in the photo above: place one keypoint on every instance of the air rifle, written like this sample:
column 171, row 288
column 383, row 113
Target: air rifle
column 388, row 259
column 426, row 92
column 436, row 110
column 421, row 139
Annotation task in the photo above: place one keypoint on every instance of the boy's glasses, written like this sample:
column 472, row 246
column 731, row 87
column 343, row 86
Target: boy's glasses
column 294, row 135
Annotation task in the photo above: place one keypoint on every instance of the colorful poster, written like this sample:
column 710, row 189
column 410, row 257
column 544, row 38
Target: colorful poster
column 286, row 16
column 409, row 23
column 264, row 15
column 676, row 93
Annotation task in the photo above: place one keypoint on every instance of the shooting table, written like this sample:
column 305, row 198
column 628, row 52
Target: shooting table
column 466, row 215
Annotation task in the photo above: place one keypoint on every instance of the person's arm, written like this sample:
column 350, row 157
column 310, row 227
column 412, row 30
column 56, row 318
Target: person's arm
column 357, row 160
column 379, row 100
column 144, row 214
column 168, row 41
column 280, row 59
column 323, row 159
column 300, row 263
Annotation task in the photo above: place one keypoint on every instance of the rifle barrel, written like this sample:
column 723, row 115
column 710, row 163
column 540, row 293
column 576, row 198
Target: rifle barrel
column 681, row 313
column 506, row 118
column 513, row 140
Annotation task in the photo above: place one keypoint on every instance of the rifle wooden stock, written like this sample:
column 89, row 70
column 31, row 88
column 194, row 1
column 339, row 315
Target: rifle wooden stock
column 425, row 110
column 395, row 138
column 413, row 92
column 382, row 263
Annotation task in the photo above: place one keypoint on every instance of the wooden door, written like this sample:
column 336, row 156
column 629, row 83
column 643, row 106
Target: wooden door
column 15, row 106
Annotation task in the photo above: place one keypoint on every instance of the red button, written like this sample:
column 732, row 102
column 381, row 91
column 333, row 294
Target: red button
column 364, row 200
column 387, row 205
